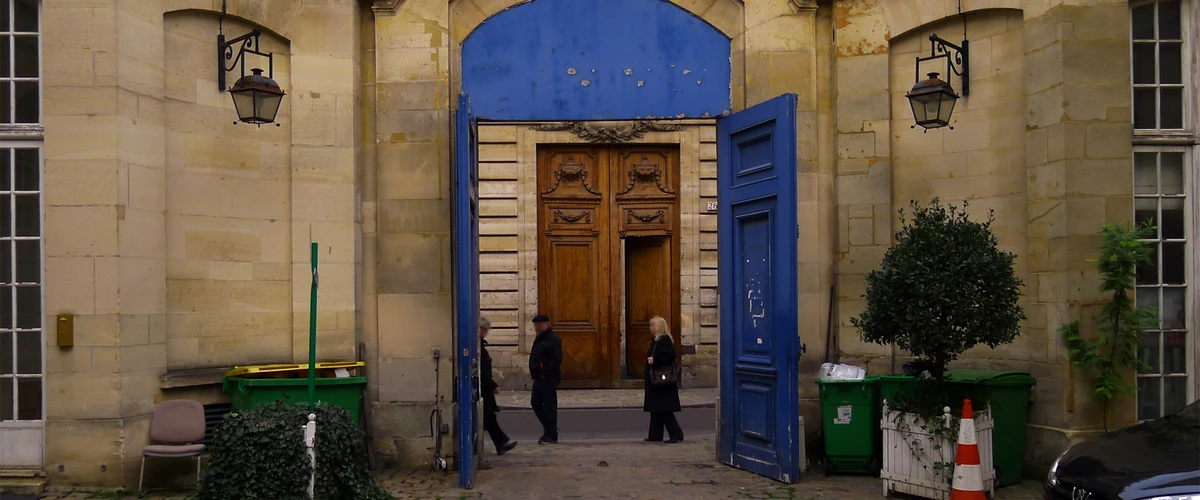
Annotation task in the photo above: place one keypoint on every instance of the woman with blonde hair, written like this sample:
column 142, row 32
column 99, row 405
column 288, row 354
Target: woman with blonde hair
column 662, row 384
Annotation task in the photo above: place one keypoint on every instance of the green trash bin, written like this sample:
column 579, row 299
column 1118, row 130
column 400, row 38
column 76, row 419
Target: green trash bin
column 253, row 392
column 891, row 386
column 1008, row 395
column 850, row 423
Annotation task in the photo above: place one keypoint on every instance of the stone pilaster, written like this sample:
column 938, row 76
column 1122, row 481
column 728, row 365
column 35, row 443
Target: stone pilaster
column 1079, row 176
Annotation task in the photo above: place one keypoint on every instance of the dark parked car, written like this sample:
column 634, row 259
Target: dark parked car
column 1154, row 460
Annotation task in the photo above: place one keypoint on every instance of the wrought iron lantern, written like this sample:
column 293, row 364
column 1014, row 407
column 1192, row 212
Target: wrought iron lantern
column 933, row 99
column 255, row 97
column 932, row 102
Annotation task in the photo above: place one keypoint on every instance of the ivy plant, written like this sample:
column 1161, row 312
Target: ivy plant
column 943, row 288
column 1113, row 351
column 260, row 454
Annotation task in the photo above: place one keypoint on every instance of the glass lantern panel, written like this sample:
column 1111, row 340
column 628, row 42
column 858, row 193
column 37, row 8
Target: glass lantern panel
column 243, row 102
column 946, row 108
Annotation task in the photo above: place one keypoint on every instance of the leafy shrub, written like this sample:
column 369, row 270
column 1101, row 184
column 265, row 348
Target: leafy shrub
column 943, row 288
column 260, row 454
column 1121, row 325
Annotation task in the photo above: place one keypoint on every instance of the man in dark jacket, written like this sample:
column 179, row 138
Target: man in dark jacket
column 545, row 366
column 490, row 390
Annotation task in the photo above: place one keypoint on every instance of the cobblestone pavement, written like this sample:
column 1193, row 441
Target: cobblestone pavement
column 636, row 471
column 587, row 470
column 604, row 398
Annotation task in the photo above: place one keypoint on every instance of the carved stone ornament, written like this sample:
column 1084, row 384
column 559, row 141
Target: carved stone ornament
column 645, row 172
column 585, row 215
column 658, row 216
column 623, row 132
column 570, row 171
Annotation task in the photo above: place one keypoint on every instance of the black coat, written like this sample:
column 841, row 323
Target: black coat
column 661, row 399
column 545, row 359
column 487, row 382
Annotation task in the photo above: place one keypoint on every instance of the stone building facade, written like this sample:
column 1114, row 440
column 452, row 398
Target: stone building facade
column 178, row 242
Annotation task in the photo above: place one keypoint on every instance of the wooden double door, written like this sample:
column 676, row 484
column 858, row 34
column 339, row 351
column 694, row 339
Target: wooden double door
column 608, row 256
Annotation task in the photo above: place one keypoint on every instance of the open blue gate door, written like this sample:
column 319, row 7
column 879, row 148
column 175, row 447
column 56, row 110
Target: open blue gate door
column 466, row 289
column 757, row 232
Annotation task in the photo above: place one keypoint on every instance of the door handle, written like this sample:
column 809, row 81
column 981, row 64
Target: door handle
column 803, row 349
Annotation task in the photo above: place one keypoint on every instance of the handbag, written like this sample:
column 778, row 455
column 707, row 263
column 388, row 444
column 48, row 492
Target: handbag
column 664, row 376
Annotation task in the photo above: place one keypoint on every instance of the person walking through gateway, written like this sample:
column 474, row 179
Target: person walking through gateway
column 490, row 390
column 545, row 366
column 662, row 384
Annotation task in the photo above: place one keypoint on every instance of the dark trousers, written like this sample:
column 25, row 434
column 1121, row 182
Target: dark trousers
column 492, row 426
column 545, row 405
column 658, row 420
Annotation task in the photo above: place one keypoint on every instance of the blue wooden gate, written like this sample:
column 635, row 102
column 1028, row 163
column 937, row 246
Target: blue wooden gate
column 757, row 233
column 466, row 290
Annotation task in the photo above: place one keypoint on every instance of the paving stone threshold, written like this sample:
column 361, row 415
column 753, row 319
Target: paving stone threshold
column 605, row 399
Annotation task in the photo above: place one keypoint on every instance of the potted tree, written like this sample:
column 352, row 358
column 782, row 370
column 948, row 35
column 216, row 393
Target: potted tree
column 943, row 288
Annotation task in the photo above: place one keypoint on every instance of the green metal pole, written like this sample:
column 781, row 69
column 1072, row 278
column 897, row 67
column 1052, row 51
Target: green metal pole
column 312, row 336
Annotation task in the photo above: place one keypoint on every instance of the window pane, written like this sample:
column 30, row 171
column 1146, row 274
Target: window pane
column 28, row 107
column 1144, row 106
column 1174, row 261
column 1143, row 22
column 1148, row 397
column 27, row 170
column 6, row 399
column 25, row 16
column 1147, row 298
column 6, row 353
column 5, row 103
column 29, row 399
column 29, row 353
column 5, row 185
column 25, row 56
column 1145, row 173
column 1171, row 113
column 1148, row 352
column 5, row 263
column 1148, row 273
column 5, row 60
column 5, row 216
column 1145, row 209
column 1143, row 63
column 1170, row 63
column 6, row 307
column 1168, row 20
column 1172, row 173
column 1171, row 226
column 29, row 307
column 4, row 26
column 1175, row 352
column 1176, row 395
column 1174, row 308
column 29, row 261
column 28, row 215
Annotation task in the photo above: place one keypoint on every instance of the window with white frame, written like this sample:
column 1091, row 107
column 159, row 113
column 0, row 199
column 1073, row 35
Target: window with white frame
column 1164, row 186
column 21, row 329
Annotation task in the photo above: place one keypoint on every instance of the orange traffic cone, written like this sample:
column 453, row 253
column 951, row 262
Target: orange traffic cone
column 968, row 474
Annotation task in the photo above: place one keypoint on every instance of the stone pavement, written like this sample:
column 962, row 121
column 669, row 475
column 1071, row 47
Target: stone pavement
column 580, row 399
column 631, row 470
column 636, row 471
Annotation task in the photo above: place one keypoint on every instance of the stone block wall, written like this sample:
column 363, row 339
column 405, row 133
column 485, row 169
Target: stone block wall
column 174, row 237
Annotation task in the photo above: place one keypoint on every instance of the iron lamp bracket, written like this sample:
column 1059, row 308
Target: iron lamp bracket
column 957, row 60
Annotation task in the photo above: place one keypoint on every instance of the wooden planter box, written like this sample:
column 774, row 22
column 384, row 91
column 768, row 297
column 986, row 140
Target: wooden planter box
column 910, row 452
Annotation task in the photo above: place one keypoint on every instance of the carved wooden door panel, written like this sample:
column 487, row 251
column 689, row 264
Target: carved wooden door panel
column 595, row 201
column 574, row 260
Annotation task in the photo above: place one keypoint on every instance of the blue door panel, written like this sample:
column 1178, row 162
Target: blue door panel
column 757, row 232
column 466, row 290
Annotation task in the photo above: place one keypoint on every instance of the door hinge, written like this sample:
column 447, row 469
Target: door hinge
column 797, row 230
